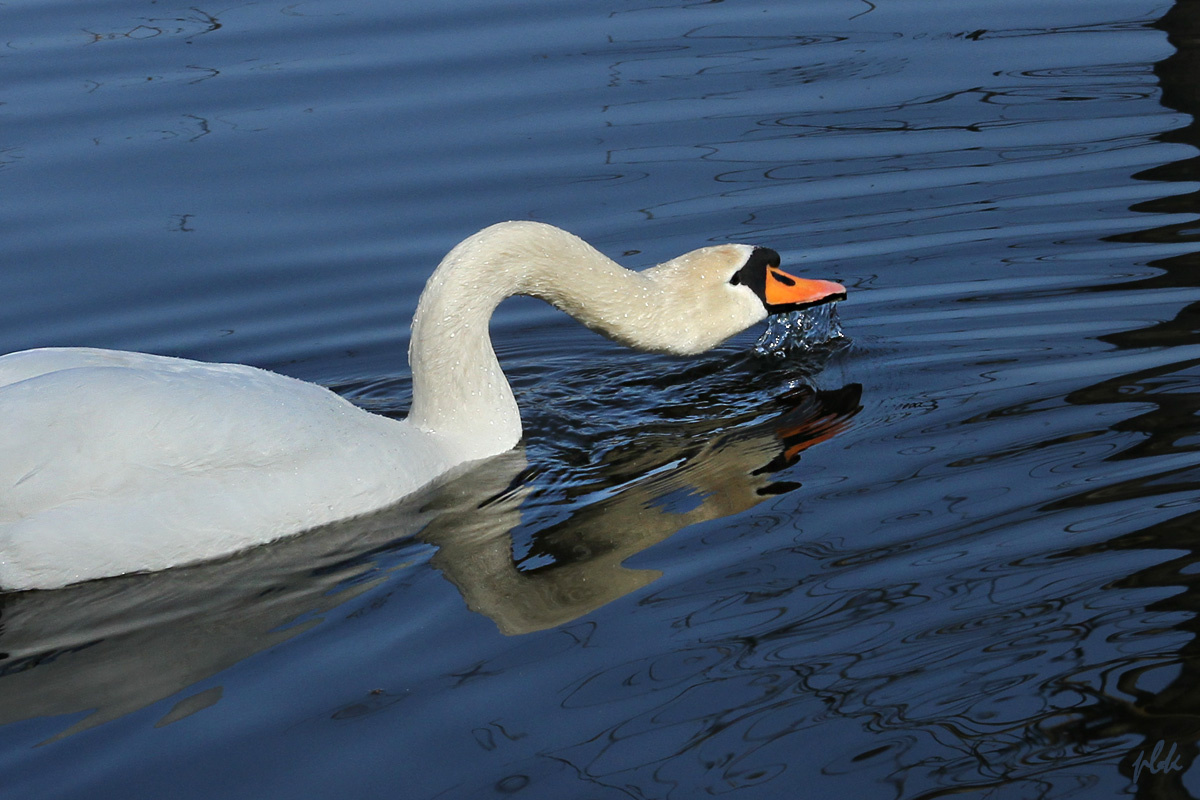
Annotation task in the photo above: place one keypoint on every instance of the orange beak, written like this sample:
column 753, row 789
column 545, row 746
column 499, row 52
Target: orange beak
column 784, row 292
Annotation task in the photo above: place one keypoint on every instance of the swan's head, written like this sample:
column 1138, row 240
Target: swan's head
column 779, row 291
column 717, row 292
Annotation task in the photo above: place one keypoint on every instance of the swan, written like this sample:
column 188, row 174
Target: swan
column 114, row 462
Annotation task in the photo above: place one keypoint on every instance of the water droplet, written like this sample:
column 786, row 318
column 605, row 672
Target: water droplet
column 799, row 331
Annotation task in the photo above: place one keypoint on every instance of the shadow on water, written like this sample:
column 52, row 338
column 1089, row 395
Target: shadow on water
column 1128, row 698
column 107, row 648
column 1125, row 702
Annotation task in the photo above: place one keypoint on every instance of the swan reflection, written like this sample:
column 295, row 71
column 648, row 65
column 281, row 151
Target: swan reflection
column 575, row 566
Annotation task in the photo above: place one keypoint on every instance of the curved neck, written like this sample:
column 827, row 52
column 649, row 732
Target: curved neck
column 459, row 390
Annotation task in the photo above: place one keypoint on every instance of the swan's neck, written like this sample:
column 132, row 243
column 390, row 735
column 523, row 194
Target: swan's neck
column 459, row 390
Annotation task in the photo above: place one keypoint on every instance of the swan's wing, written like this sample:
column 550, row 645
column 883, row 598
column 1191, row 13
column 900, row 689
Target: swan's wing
column 78, row 415
column 120, row 461
column 26, row 364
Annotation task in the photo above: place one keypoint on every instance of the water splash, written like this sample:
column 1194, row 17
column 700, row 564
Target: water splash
column 799, row 331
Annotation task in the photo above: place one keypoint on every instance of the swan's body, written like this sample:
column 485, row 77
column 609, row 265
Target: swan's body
column 114, row 462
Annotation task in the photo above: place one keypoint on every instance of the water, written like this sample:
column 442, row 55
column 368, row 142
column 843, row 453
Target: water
column 956, row 554
column 800, row 331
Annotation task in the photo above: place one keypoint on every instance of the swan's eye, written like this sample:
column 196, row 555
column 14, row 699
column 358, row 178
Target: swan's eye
column 753, row 273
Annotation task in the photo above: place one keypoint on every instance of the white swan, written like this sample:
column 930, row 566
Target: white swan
column 115, row 462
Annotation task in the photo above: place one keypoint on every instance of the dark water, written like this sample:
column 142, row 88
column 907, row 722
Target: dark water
column 955, row 556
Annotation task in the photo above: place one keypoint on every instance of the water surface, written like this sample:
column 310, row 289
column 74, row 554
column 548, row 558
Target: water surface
column 954, row 554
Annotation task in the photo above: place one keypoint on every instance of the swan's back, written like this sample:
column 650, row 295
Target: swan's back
column 115, row 462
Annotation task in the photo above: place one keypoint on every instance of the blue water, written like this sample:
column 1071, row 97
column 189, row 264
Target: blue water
column 952, row 554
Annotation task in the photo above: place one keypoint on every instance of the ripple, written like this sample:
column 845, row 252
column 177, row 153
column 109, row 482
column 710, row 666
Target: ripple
column 955, row 555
